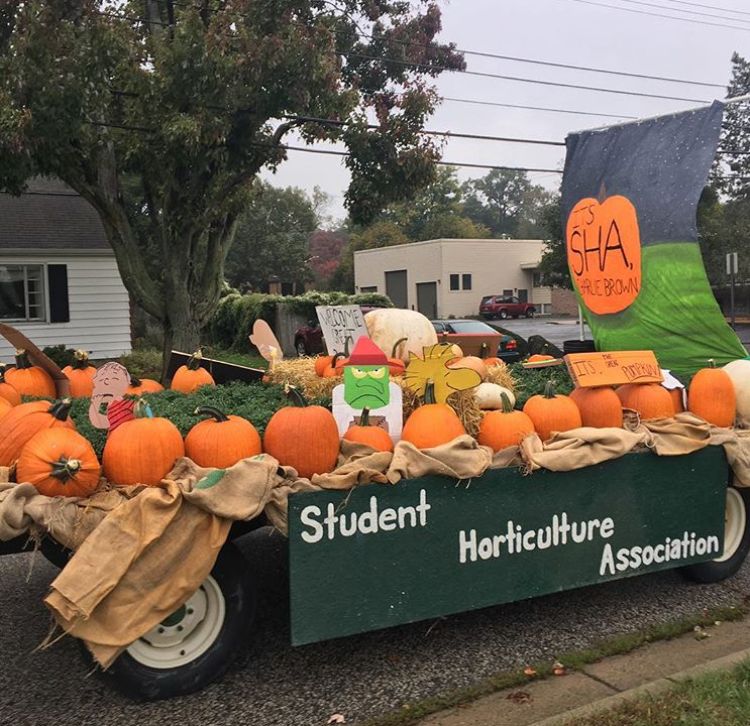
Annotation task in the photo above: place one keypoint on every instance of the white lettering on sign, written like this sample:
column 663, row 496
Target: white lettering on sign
column 340, row 323
column 372, row 521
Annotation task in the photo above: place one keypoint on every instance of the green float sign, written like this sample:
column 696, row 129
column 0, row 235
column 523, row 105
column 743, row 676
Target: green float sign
column 380, row 556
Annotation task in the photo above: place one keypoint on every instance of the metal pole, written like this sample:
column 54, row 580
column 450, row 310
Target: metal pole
column 731, row 298
column 580, row 323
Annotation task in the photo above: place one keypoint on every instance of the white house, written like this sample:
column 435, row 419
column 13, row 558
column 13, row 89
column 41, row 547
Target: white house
column 59, row 281
column 445, row 277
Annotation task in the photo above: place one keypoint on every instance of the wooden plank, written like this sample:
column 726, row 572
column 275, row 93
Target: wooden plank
column 613, row 368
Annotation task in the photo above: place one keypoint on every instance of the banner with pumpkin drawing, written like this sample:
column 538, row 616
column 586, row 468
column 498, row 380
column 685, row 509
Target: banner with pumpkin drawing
column 629, row 200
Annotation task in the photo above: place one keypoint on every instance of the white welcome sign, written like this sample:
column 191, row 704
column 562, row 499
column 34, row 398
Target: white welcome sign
column 339, row 323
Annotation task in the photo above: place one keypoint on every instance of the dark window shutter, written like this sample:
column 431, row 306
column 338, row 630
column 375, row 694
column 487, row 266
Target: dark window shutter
column 57, row 284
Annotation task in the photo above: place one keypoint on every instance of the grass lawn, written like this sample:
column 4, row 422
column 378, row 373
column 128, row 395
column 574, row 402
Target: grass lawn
column 146, row 362
column 716, row 699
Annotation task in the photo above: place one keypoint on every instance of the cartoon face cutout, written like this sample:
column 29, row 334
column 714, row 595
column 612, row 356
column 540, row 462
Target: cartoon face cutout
column 367, row 386
column 110, row 383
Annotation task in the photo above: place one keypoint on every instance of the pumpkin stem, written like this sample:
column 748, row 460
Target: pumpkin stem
column 22, row 359
column 81, row 360
column 61, row 409
column 429, row 392
column 135, row 381
column 484, row 351
column 549, row 389
column 211, row 411
column 394, row 350
column 336, row 357
column 364, row 419
column 194, row 362
column 66, row 469
column 507, row 405
column 711, row 363
column 295, row 396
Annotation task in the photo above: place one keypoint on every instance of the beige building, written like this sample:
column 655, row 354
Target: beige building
column 446, row 277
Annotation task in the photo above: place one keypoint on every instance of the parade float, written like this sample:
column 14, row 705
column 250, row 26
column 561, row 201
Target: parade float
column 412, row 480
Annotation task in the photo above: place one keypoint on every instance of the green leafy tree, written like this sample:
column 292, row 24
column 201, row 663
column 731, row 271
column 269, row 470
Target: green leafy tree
column 554, row 264
column 732, row 171
column 192, row 100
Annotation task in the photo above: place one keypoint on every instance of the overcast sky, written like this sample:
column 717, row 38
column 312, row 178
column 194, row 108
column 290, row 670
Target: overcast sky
column 562, row 31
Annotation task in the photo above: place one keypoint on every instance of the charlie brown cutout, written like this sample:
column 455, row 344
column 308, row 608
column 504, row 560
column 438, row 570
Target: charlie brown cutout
column 367, row 384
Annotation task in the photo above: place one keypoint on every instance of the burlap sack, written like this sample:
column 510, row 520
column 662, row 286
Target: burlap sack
column 357, row 464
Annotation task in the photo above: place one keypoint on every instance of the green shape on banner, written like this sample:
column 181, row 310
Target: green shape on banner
column 367, row 386
column 675, row 314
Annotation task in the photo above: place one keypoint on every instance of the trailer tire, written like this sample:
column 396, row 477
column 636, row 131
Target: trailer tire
column 736, row 541
column 225, row 607
column 54, row 552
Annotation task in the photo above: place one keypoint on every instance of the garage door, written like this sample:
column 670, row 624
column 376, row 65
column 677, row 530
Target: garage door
column 396, row 289
column 427, row 299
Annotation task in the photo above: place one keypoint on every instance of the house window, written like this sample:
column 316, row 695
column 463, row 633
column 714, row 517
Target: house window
column 22, row 292
column 466, row 282
column 454, row 282
column 537, row 280
column 369, row 288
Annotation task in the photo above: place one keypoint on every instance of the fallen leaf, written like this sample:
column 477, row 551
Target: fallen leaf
column 519, row 697
column 558, row 669
column 529, row 671
column 336, row 718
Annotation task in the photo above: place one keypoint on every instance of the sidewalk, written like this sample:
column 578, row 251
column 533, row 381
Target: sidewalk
column 564, row 699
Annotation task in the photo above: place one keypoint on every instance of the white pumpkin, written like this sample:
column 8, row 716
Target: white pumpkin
column 387, row 326
column 489, row 396
column 739, row 372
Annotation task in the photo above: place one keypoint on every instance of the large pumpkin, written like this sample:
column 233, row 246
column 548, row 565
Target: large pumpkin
column 551, row 412
column 192, row 376
column 142, row 450
column 221, row 441
column 7, row 391
column 60, row 463
column 388, row 326
column 30, row 380
column 372, row 436
column 503, row 428
column 432, row 424
column 81, row 375
column 711, row 396
column 650, row 400
column 303, row 437
column 600, row 407
column 739, row 372
column 139, row 386
column 22, row 422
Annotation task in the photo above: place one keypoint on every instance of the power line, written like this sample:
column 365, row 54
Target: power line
column 535, row 108
column 710, row 7
column 689, row 12
column 659, row 15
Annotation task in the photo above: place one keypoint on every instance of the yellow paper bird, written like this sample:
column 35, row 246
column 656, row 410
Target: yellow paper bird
column 433, row 366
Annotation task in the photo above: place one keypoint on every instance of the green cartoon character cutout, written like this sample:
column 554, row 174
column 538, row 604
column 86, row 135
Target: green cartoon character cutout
column 367, row 377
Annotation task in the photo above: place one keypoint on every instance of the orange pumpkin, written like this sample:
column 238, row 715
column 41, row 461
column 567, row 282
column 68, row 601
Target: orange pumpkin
column 506, row 427
column 552, row 412
column 192, row 376
column 538, row 357
column 677, row 399
column 335, row 368
column 220, row 441
column 139, row 386
column 489, row 360
column 59, row 463
column 372, row 436
column 649, row 400
column 23, row 421
column 472, row 362
column 5, row 407
column 81, row 375
column 395, row 364
column 712, row 397
column 432, row 424
column 321, row 363
column 600, row 407
column 30, row 380
column 7, row 391
column 303, row 437
column 142, row 450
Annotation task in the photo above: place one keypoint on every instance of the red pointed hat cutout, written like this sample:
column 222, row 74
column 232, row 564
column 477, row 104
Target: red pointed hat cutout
column 366, row 353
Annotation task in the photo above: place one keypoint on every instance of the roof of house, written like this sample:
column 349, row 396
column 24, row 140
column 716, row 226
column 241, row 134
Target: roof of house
column 49, row 216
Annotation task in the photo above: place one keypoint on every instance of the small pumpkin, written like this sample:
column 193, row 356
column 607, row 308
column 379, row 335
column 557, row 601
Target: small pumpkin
column 23, row 421
column 81, row 375
column 60, row 463
column 678, row 399
column 372, row 436
column 7, row 391
column 432, row 424
column 395, row 364
column 489, row 396
column 303, row 437
column 321, row 363
column 335, row 368
column 220, row 441
column 649, row 400
column 600, row 406
column 503, row 428
column 470, row 361
column 192, row 375
column 739, row 371
column 139, row 386
column 539, row 357
column 551, row 412
column 142, row 450
column 30, row 380
column 711, row 396
column 489, row 360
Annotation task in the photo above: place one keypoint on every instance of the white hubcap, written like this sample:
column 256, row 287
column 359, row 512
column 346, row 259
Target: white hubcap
column 735, row 519
column 187, row 633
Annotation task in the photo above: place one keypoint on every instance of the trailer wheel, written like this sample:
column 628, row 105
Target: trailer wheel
column 197, row 643
column 736, row 541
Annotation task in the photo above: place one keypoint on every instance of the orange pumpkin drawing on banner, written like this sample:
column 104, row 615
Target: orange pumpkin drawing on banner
column 604, row 253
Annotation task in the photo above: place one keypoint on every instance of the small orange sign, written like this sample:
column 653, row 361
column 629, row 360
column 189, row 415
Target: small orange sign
column 614, row 368
column 604, row 253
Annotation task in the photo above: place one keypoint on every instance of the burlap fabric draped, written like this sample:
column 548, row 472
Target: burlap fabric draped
column 141, row 552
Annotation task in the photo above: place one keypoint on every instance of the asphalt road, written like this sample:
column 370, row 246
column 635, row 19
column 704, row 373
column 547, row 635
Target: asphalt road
column 361, row 676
